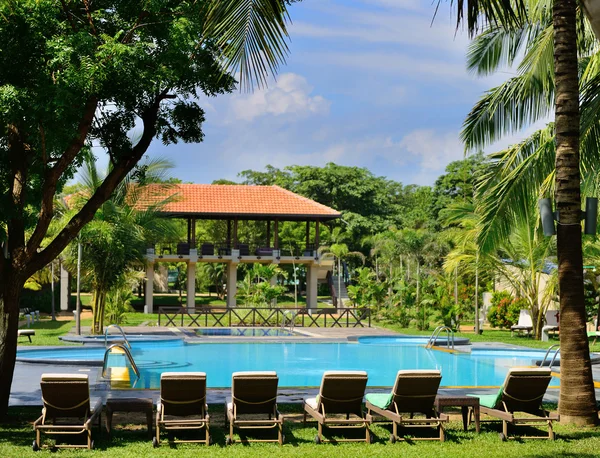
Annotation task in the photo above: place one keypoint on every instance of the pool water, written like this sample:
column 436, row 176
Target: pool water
column 244, row 332
column 300, row 364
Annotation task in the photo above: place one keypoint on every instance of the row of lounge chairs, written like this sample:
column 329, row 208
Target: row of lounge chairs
column 253, row 405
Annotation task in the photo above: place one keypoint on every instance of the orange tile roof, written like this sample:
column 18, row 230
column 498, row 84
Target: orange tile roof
column 242, row 201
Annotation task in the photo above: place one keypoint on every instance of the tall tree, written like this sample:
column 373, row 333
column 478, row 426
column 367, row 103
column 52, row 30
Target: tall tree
column 78, row 74
column 577, row 403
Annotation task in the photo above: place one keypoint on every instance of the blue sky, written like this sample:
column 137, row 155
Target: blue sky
column 370, row 83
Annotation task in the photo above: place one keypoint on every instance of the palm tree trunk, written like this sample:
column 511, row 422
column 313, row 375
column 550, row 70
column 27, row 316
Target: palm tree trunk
column 577, row 402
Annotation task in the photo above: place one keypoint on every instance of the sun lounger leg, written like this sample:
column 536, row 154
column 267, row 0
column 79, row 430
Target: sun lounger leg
column 280, row 434
column 550, row 431
column 505, row 428
column 395, row 431
column 320, row 432
column 442, row 433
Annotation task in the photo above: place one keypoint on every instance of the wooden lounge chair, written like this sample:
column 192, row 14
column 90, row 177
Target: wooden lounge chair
column 523, row 391
column 524, row 324
column 66, row 410
column 413, row 393
column 182, row 406
column 253, row 405
column 340, row 404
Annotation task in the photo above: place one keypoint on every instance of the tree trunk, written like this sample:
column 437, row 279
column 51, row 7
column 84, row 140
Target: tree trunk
column 10, row 290
column 577, row 402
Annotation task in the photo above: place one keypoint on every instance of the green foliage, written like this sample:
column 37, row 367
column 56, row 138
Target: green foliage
column 504, row 311
column 369, row 204
column 455, row 186
column 118, row 304
column 40, row 300
column 256, row 289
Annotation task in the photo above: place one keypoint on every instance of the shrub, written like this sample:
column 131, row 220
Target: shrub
column 505, row 310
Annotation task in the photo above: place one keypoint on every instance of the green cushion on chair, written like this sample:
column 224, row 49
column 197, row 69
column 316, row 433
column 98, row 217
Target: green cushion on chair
column 490, row 401
column 381, row 400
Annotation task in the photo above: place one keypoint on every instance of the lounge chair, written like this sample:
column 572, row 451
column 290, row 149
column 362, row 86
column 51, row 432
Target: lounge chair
column 66, row 410
column 26, row 333
column 551, row 325
column 524, row 324
column 182, row 405
column 339, row 404
column 253, row 405
column 522, row 391
column 414, row 392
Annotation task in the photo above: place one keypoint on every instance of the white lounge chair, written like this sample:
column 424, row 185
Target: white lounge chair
column 524, row 325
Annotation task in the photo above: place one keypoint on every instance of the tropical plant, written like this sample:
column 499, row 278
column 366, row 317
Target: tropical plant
column 117, row 237
column 576, row 375
column 339, row 250
column 118, row 304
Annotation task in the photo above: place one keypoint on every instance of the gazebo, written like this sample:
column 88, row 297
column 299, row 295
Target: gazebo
column 232, row 204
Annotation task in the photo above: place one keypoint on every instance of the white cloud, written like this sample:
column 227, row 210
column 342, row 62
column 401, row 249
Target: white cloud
column 290, row 95
column 433, row 150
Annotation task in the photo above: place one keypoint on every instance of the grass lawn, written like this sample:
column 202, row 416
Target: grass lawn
column 16, row 437
column 489, row 335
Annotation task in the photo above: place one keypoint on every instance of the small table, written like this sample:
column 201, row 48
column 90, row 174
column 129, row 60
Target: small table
column 464, row 402
column 129, row 405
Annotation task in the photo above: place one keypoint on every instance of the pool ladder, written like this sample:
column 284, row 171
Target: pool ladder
column 436, row 333
column 553, row 360
column 126, row 352
column 125, row 341
column 288, row 319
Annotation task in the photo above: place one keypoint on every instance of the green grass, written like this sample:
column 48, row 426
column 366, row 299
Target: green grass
column 489, row 335
column 16, row 437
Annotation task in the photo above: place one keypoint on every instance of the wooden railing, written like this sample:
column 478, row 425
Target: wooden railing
column 262, row 317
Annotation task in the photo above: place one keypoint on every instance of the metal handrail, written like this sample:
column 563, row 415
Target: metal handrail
column 289, row 318
column 556, row 352
column 554, row 358
column 436, row 333
column 127, row 353
column 548, row 352
column 122, row 333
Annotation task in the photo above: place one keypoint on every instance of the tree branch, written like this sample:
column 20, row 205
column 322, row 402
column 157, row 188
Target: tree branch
column 16, row 222
column 68, row 14
column 102, row 194
column 52, row 175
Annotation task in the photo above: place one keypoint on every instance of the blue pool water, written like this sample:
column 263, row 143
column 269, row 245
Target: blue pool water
column 303, row 364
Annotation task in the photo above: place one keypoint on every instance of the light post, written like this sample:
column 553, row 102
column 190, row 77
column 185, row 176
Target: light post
column 52, row 289
column 78, row 305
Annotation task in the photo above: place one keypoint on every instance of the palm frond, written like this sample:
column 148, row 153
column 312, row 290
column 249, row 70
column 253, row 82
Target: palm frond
column 252, row 36
column 513, row 179
column 477, row 13
column 505, row 110
column 494, row 48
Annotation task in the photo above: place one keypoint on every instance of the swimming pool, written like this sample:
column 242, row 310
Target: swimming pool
column 301, row 364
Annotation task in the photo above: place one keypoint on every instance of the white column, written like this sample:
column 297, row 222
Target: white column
column 191, row 286
column 274, row 283
column 231, row 284
column 64, row 288
column 149, row 308
column 311, row 286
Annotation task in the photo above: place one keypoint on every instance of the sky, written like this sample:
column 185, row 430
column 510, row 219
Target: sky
column 368, row 83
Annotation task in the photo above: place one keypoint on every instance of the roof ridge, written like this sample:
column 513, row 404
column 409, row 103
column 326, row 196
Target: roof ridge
column 314, row 202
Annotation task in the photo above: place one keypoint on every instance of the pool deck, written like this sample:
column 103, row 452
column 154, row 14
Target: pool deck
column 26, row 382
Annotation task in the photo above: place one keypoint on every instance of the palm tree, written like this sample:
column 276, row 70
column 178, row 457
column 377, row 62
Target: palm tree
column 577, row 403
column 339, row 250
column 116, row 239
